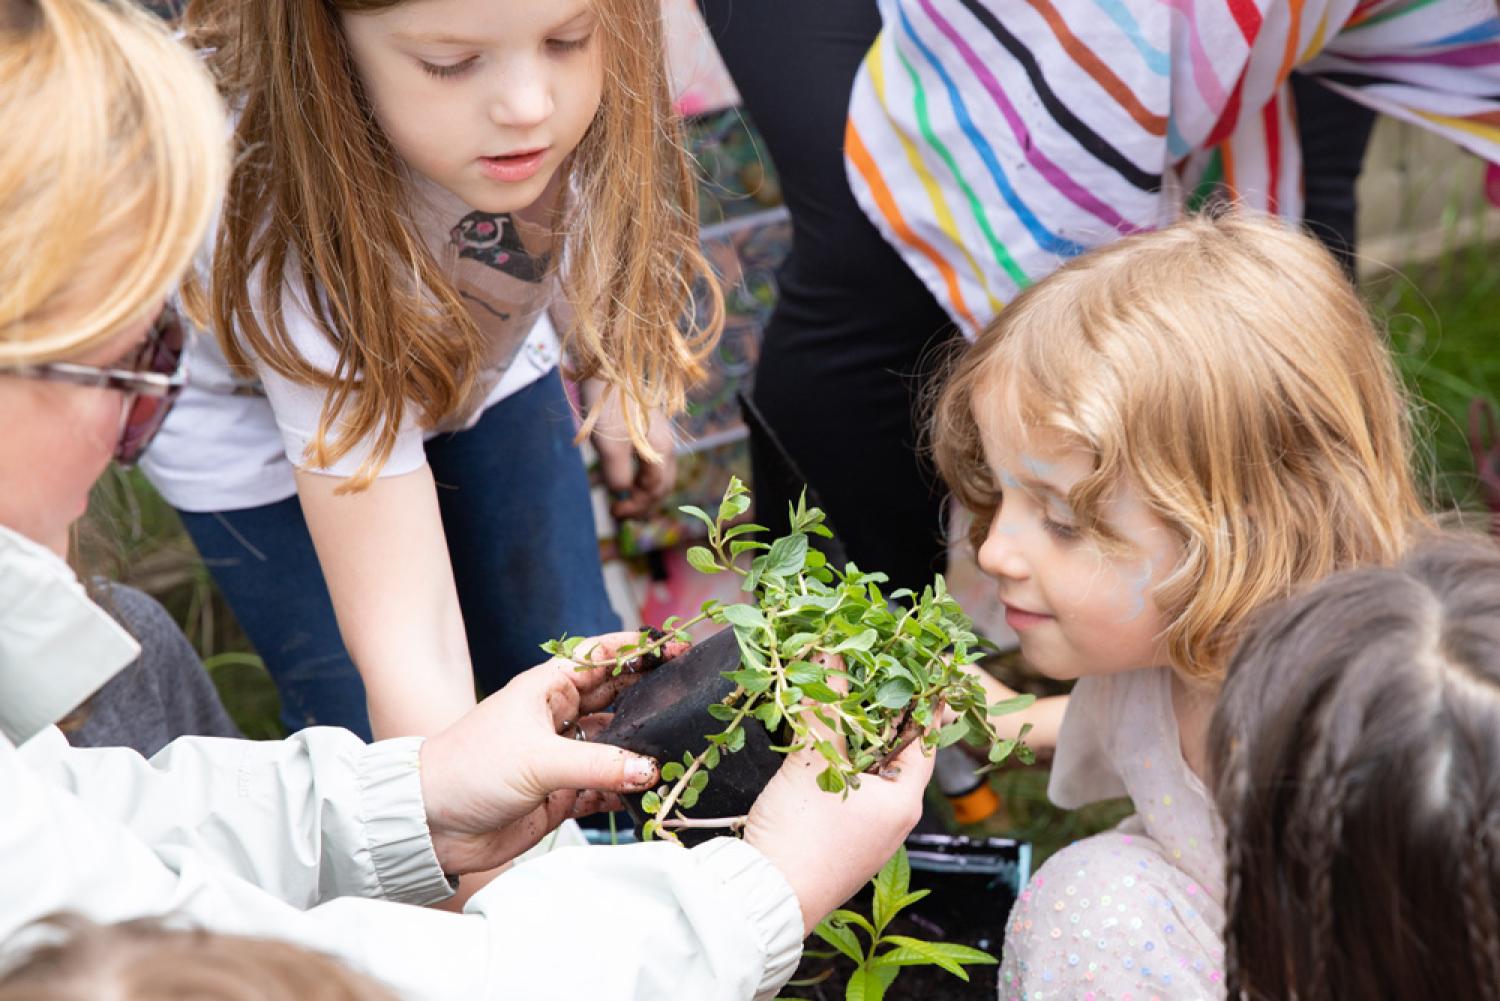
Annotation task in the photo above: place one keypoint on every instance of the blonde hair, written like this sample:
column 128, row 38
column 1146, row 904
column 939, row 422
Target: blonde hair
column 112, row 163
column 144, row 960
column 1226, row 369
column 646, row 307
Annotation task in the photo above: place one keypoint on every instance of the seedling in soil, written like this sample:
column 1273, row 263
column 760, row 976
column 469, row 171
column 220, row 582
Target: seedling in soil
column 877, row 964
column 819, row 645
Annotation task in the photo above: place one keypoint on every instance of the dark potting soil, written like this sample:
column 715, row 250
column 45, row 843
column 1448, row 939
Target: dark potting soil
column 962, row 909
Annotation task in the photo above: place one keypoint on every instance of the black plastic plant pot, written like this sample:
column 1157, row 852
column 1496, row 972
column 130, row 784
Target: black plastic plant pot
column 973, row 884
column 665, row 715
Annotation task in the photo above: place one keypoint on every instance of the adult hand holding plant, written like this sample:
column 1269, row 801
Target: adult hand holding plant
column 855, row 833
column 900, row 674
column 496, row 781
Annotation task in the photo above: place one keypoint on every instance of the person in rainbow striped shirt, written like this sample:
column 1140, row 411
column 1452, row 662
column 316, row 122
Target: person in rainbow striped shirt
column 989, row 141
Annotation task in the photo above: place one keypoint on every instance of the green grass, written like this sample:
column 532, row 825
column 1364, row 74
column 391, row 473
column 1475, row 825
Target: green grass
column 1442, row 320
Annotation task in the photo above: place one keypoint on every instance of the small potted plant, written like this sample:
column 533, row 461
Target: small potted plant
column 813, row 643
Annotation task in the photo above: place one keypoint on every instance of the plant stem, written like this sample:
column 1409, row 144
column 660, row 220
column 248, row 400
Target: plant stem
column 664, row 811
column 686, row 823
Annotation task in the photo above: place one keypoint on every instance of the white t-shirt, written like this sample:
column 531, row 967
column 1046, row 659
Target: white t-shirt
column 226, row 447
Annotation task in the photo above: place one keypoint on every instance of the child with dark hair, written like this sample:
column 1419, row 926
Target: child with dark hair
column 1356, row 746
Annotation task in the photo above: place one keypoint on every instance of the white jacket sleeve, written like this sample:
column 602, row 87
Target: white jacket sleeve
column 237, row 837
column 313, row 817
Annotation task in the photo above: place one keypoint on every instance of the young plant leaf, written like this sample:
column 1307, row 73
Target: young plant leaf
column 702, row 560
column 699, row 513
column 894, row 694
column 753, row 682
column 802, row 672
column 786, row 556
column 1011, row 705
column 869, row 983
column 744, row 617
column 841, row 937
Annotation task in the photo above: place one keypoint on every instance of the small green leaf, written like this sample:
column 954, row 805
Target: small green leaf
column 863, row 640
column 841, row 937
column 744, row 616
column 703, row 560
column 732, row 506
column 711, row 757
column 829, row 780
column 869, row 983
column 689, row 798
column 819, row 692
column 913, row 952
column 895, row 874
column 699, row 513
column 753, row 682
column 769, row 715
column 895, row 694
column 786, row 556
column 721, row 712
column 953, row 733
column 853, row 918
column 698, row 781
column 1011, row 705
column 736, row 740
column 672, row 771
column 741, row 546
column 650, row 802
column 802, row 672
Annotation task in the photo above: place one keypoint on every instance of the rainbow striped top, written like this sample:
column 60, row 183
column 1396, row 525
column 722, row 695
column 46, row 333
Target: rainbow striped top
column 991, row 139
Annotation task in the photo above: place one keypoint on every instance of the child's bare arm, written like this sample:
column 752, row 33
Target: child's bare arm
column 1044, row 715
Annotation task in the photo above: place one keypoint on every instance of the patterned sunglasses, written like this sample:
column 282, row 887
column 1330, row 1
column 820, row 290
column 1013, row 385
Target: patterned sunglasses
column 151, row 382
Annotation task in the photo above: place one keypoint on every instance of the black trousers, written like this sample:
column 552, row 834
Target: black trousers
column 851, row 347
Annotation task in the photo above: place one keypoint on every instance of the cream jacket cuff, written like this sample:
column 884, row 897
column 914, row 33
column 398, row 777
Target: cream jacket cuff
column 769, row 903
column 396, row 834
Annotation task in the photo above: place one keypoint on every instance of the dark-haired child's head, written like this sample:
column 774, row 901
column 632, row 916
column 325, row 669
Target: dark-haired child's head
column 1356, row 749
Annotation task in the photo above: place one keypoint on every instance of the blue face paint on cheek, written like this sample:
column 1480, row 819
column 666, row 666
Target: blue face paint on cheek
column 1136, row 585
column 1041, row 470
column 1009, row 482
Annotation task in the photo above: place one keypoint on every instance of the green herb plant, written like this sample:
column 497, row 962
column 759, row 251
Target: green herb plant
column 877, row 964
column 820, row 644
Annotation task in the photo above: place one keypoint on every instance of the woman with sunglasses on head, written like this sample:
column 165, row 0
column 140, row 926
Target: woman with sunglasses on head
column 111, row 169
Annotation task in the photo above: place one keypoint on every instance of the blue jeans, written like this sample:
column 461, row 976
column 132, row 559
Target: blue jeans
column 520, row 528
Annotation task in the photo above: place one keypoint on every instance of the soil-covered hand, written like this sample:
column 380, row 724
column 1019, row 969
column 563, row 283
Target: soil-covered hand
column 636, row 483
column 828, row 846
column 513, row 768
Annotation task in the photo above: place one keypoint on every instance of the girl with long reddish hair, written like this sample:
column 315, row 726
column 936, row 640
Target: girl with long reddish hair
column 416, row 185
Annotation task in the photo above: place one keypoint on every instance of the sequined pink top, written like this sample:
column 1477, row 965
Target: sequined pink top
column 1133, row 914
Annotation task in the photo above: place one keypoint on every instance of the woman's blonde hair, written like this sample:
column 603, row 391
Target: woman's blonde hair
column 1226, row 369
column 646, row 307
column 113, row 153
column 145, row 960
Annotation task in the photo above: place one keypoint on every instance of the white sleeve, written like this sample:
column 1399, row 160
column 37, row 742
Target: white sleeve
column 621, row 924
column 299, row 408
column 316, row 816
